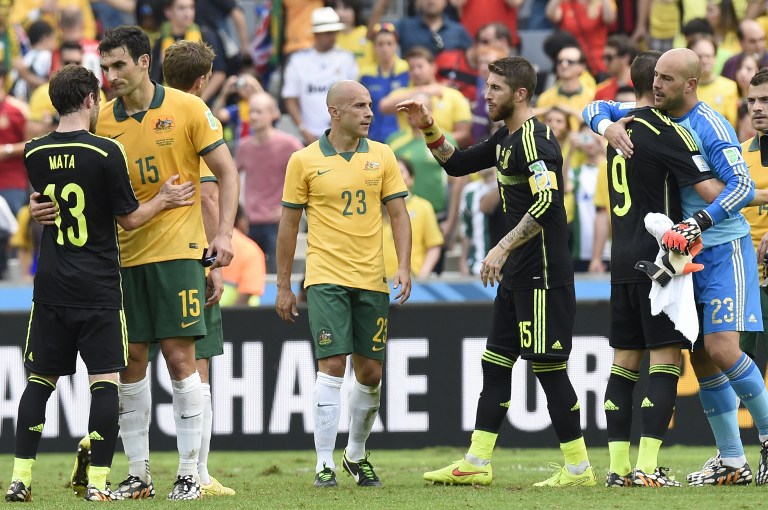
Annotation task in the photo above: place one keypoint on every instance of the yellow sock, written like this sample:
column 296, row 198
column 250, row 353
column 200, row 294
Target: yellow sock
column 97, row 476
column 22, row 470
column 482, row 444
column 619, row 452
column 575, row 452
column 648, row 454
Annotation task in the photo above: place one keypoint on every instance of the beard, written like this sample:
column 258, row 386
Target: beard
column 502, row 112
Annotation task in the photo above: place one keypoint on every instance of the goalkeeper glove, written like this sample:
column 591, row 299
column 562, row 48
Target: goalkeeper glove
column 681, row 237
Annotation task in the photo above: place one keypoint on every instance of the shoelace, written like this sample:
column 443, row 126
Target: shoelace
column 367, row 469
column 325, row 475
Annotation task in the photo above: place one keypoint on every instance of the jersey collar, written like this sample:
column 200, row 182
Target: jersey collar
column 327, row 149
column 755, row 145
column 157, row 100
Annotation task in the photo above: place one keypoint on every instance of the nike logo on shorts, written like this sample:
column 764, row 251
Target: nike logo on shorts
column 185, row 325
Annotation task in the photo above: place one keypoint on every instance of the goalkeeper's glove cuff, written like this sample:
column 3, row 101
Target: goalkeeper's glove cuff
column 702, row 219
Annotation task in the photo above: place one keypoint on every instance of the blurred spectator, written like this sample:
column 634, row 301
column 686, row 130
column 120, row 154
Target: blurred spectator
column 389, row 73
column 751, row 42
column 618, row 55
column 26, row 12
column 181, row 25
column 298, row 24
column 601, row 250
column 700, row 26
column 744, row 128
column 354, row 36
column 26, row 242
column 432, row 29
column 43, row 117
column 217, row 15
column 449, row 107
column 475, row 231
column 482, row 127
column 475, row 14
column 149, row 16
column 658, row 23
column 425, row 232
column 11, row 37
column 244, row 279
column 556, row 41
column 498, row 36
column 71, row 32
column 560, row 122
column 584, row 180
column 235, row 116
column 588, row 21
column 13, row 135
column 8, row 228
column 113, row 13
column 722, row 16
column 722, row 94
column 261, row 159
column 457, row 69
column 568, row 92
column 745, row 69
column 625, row 94
column 310, row 73
column 33, row 69
column 538, row 17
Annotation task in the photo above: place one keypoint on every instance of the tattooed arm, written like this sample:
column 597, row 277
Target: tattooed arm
column 491, row 270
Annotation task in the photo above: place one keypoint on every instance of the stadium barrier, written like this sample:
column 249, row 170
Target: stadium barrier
column 262, row 385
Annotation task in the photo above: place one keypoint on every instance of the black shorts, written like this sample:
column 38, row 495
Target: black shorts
column 57, row 333
column 534, row 324
column 633, row 327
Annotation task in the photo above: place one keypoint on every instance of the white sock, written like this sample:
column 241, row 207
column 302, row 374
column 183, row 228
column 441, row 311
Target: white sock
column 363, row 407
column 188, row 415
column 205, row 442
column 327, row 406
column 135, row 414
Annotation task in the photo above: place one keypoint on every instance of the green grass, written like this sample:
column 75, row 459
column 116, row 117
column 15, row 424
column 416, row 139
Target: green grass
column 283, row 480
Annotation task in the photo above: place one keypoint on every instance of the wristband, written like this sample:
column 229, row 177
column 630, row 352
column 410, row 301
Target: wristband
column 603, row 125
column 436, row 144
column 432, row 134
column 703, row 219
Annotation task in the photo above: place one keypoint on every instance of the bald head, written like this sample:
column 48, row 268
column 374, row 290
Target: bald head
column 265, row 101
column 751, row 36
column 682, row 62
column 343, row 91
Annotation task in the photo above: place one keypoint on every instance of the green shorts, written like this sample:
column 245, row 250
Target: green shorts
column 211, row 344
column 749, row 340
column 164, row 300
column 343, row 320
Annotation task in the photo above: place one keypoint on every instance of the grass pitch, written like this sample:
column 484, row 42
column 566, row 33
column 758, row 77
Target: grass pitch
column 283, row 480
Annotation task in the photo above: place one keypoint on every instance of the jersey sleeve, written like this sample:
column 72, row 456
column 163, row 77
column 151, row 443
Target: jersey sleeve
column 678, row 151
column 295, row 189
column 392, row 185
column 204, row 129
column 478, row 157
column 205, row 173
column 597, row 111
column 539, row 157
column 121, row 195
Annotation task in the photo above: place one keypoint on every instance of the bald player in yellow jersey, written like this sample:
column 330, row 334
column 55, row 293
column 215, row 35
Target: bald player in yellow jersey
column 164, row 131
column 341, row 181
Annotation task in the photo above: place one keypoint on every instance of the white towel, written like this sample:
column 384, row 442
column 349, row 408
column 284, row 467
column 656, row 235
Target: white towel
column 676, row 299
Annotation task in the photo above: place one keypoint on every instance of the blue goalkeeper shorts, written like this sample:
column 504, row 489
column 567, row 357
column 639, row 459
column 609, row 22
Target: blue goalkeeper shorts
column 728, row 287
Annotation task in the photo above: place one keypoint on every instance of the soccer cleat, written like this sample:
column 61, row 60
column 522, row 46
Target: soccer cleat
column 94, row 494
column 724, row 475
column 362, row 471
column 616, row 480
column 326, row 477
column 658, row 478
column 134, row 487
column 79, row 479
column 18, row 493
column 185, row 488
column 461, row 472
column 762, row 469
column 709, row 465
column 564, row 478
column 215, row 488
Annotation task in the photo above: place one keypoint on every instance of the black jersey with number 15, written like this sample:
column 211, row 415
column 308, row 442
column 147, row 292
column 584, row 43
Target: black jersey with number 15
column 665, row 158
column 87, row 176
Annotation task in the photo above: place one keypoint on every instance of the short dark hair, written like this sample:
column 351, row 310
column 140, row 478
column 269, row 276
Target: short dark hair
column 70, row 45
column 186, row 61
column 642, row 70
column 517, row 73
column 420, row 52
column 500, row 31
column 38, row 30
column 70, row 86
column 582, row 58
column 698, row 26
column 760, row 77
column 357, row 9
column 623, row 45
column 134, row 39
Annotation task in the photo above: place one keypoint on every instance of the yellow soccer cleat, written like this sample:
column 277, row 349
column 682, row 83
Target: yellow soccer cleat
column 461, row 472
column 79, row 479
column 216, row 489
column 564, row 478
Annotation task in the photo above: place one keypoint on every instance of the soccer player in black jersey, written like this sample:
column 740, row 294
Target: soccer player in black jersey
column 665, row 159
column 77, row 294
column 535, row 304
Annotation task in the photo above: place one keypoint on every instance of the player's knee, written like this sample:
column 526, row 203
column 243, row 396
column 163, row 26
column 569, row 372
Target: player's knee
column 369, row 374
column 629, row 359
column 333, row 365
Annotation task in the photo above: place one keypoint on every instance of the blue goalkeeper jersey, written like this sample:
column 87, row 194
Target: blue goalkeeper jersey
column 721, row 149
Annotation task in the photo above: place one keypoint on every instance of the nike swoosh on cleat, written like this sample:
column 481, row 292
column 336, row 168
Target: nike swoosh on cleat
column 456, row 472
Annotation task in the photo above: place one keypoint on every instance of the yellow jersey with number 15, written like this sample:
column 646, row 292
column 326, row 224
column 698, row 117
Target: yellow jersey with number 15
column 169, row 138
column 342, row 195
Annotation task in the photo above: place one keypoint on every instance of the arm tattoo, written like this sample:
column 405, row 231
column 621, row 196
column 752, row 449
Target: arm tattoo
column 521, row 234
column 444, row 152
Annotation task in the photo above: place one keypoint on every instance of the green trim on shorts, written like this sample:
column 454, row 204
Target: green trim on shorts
column 343, row 320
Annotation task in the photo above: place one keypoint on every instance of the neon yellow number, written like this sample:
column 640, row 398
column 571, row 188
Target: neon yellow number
column 80, row 237
column 620, row 184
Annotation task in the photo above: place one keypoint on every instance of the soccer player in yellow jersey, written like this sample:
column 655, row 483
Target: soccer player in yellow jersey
column 341, row 181
column 164, row 131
